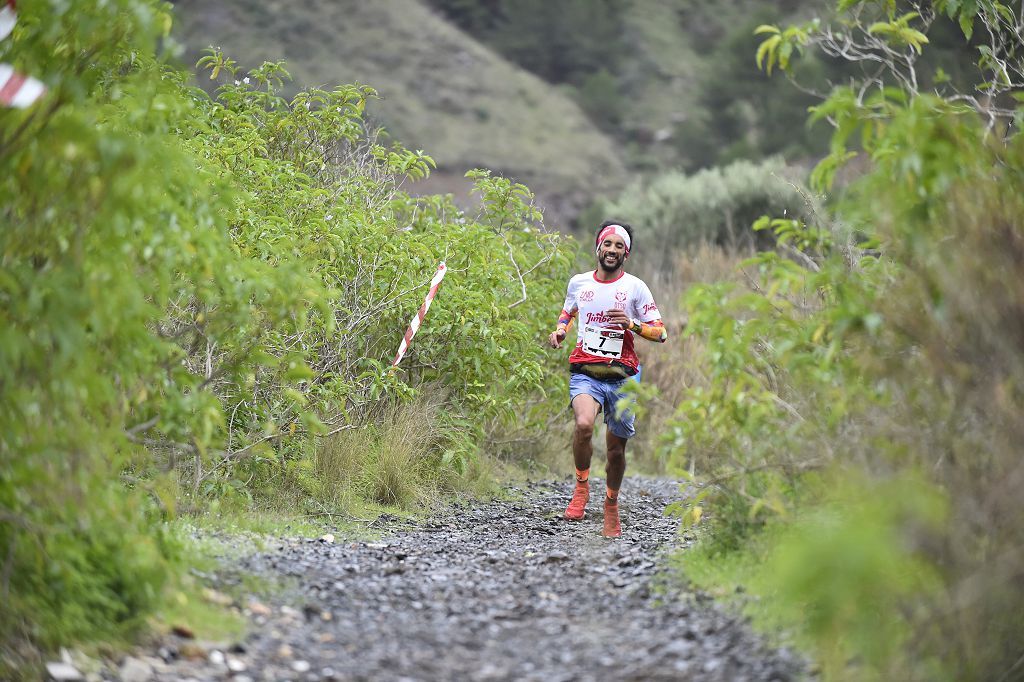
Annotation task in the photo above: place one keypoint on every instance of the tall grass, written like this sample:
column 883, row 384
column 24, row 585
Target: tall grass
column 409, row 458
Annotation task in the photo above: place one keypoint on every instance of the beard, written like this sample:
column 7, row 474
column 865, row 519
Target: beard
column 610, row 262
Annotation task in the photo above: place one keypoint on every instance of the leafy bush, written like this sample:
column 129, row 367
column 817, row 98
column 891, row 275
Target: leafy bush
column 852, row 392
column 106, row 223
column 677, row 211
column 193, row 291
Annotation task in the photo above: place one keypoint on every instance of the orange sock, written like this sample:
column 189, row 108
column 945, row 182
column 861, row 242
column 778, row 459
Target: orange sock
column 582, row 475
column 612, row 495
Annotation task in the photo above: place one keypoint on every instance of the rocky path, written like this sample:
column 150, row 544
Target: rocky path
column 506, row 590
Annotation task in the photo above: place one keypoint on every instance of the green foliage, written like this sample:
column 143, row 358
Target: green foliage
column 107, row 222
column 441, row 88
column 867, row 376
column 844, row 580
column 739, row 112
column 854, row 573
column 193, row 291
column 875, row 32
column 715, row 205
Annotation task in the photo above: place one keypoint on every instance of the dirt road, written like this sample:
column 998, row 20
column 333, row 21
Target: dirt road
column 504, row 590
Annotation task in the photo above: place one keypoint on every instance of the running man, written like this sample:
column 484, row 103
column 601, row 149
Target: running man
column 611, row 308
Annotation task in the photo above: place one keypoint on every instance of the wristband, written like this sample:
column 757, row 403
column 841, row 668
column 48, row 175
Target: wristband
column 634, row 326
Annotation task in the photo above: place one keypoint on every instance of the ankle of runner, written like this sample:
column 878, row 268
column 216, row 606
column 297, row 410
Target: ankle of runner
column 611, row 495
column 583, row 475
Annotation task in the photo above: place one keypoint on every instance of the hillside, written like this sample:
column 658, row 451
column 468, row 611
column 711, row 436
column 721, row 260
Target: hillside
column 440, row 90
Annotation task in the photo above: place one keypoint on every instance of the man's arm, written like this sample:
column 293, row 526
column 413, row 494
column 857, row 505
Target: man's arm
column 652, row 331
column 562, row 328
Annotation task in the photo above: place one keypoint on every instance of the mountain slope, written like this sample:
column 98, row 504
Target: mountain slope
column 441, row 90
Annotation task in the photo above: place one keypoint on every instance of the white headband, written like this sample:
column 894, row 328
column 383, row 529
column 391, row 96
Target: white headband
column 613, row 229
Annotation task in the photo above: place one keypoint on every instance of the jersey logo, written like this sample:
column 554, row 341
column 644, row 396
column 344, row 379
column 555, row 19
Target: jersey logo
column 596, row 317
column 587, row 295
column 649, row 307
column 620, row 296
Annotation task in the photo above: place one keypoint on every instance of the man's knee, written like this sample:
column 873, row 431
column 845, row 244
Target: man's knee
column 585, row 425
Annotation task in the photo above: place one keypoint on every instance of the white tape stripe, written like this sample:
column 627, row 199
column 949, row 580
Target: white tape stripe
column 8, row 18
column 17, row 90
column 414, row 324
column 30, row 91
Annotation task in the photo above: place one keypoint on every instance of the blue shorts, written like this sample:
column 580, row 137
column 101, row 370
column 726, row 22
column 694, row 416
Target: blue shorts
column 607, row 394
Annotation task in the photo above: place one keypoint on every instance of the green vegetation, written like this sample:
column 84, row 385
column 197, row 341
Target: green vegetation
column 199, row 302
column 201, row 295
column 851, row 414
column 440, row 89
column 715, row 206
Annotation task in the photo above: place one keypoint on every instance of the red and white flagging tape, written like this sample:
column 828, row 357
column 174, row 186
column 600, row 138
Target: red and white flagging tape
column 16, row 90
column 417, row 320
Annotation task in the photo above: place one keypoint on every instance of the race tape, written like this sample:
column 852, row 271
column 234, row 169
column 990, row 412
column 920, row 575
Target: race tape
column 15, row 90
column 414, row 325
column 7, row 18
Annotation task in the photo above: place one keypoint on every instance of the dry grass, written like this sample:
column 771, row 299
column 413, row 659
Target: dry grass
column 675, row 367
column 400, row 460
column 389, row 463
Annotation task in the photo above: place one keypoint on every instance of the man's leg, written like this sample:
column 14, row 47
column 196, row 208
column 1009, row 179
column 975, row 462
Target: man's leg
column 616, row 463
column 584, row 408
column 616, row 468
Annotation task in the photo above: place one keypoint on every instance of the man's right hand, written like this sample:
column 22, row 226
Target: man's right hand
column 556, row 338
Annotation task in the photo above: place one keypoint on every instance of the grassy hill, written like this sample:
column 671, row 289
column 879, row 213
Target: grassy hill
column 441, row 90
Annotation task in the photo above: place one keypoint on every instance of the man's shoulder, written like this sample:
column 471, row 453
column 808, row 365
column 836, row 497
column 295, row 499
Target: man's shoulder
column 633, row 281
column 580, row 278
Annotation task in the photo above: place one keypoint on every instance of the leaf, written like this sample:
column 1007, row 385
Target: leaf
column 298, row 371
column 767, row 50
column 966, row 22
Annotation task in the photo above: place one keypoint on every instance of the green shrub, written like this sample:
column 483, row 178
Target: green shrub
column 674, row 210
column 854, row 390
column 193, row 291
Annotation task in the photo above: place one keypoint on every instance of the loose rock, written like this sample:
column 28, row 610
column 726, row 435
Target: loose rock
column 135, row 670
column 498, row 590
column 62, row 672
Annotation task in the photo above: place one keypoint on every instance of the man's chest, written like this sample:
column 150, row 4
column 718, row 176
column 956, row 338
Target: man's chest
column 594, row 299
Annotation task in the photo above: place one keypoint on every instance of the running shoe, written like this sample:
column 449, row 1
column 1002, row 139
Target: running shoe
column 612, row 528
column 578, row 505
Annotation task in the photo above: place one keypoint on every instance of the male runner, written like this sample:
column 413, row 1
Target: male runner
column 611, row 307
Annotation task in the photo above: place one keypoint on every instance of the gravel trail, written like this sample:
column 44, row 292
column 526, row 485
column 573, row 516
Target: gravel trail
column 501, row 590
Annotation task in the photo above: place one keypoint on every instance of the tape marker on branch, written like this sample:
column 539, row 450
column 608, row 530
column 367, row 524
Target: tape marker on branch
column 16, row 90
column 417, row 320
column 7, row 18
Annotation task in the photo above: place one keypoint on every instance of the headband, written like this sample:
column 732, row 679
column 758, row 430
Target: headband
column 613, row 229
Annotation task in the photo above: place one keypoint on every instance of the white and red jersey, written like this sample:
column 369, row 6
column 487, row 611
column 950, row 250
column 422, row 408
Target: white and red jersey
column 588, row 298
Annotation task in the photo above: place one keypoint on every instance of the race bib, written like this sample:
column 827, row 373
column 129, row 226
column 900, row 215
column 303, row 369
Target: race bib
column 603, row 341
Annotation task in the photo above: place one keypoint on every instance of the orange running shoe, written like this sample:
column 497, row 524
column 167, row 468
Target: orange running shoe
column 578, row 505
column 612, row 528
